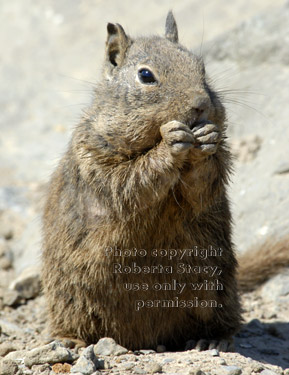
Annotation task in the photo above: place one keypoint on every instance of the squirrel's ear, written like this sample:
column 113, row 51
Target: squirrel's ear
column 116, row 45
column 171, row 28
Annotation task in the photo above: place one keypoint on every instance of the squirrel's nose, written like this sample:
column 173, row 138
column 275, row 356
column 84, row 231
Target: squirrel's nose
column 201, row 105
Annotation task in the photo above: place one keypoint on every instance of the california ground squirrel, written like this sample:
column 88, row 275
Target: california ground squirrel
column 144, row 181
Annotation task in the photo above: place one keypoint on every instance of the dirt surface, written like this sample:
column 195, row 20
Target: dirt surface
column 261, row 344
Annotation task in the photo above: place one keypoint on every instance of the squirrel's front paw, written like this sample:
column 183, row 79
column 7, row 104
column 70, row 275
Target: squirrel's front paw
column 207, row 136
column 177, row 136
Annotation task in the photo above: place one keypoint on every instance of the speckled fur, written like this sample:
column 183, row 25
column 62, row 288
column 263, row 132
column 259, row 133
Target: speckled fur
column 121, row 184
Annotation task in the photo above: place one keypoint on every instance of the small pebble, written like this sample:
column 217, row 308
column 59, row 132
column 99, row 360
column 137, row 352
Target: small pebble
column 26, row 371
column 153, row 368
column 87, row 363
column 167, row 360
column 42, row 368
column 146, row 351
column 84, row 366
column 60, row 368
column 107, row 346
column 138, row 370
column 10, row 329
column 28, row 283
column 127, row 366
column 268, row 372
column 196, row 371
column 5, row 263
column 231, row 370
column 7, row 347
column 214, row 352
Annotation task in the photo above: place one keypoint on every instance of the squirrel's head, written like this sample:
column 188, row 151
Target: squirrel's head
column 149, row 81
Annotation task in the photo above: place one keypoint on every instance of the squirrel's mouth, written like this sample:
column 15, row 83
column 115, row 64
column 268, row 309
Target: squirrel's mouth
column 192, row 122
column 195, row 117
column 196, row 120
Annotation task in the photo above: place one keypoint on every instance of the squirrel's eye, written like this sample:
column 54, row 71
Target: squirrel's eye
column 146, row 76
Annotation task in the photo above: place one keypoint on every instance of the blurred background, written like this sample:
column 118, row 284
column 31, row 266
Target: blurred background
column 51, row 57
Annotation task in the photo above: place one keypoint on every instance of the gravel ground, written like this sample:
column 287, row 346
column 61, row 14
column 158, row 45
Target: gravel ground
column 262, row 346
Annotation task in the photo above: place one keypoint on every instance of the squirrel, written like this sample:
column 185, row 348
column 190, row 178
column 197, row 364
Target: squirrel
column 137, row 241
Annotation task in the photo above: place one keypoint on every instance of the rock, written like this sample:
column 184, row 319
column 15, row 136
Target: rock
column 127, row 366
column 107, row 346
column 268, row 372
column 153, row 367
column 161, row 349
column 214, row 352
column 5, row 263
column 167, row 360
column 138, row 370
column 230, row 370
column 7, row 347
column 11, row 298
column 103, row 364
column 10, row 329
column 196, row 371
column 146, row 351
column 83, row 366
column 8, row 367
column 60, row 368
column 67, row 343
column 28, row 283
column 87, row 363
column 51, row 353
column 88, row 353
column 17, row 356
column 45, row 369
column 257, row 367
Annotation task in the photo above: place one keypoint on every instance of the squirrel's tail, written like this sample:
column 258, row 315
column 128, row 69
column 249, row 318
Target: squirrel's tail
column 258, row 265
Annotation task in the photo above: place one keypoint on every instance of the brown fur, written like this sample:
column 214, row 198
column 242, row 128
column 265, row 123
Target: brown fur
column 139, row 174
column 259, row 264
